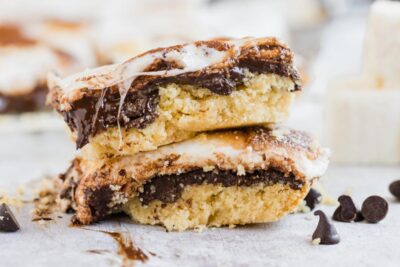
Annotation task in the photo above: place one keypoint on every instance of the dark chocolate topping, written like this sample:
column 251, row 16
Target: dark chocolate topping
column 91, row 115
column 169, row 188
column 347, row 211
column 139, row 107
column 313, row 198
column 374, row 209
column 32, row 101
column 8, row 222
column 325, row 231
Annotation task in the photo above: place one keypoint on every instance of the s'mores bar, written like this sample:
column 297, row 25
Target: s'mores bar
column 229, row 177
column 171, row 94
column 24, row 63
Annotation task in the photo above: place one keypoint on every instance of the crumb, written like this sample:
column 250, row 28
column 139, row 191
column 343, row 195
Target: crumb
column 200, row 228
column 303, row 208
column 11, row 201
column 240, row 170
column 316, row 241
column 46, row 201
column 208, row 168
column 348, row 191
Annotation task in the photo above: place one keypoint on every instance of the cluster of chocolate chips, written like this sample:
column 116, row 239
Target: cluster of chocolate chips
column 373, row 210
column 8, row 222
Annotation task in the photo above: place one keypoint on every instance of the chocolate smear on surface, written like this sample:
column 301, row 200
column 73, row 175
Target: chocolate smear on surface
column 374, row 209
column 394, row 189
column 313, row 198
column 127, row 250
column 8, row 222
column 347, row 211
column 97, row 251
column 325, row 233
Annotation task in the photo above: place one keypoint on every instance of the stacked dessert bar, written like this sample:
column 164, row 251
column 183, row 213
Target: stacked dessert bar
column 187, row 136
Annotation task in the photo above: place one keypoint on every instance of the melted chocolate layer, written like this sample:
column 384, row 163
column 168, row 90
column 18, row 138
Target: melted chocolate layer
column 91, row 115
column 32, row 101
column 95, row 113
column 97, row 200
column 169, row 188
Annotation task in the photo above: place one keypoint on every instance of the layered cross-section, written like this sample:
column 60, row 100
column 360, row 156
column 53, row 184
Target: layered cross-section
column 230, row 177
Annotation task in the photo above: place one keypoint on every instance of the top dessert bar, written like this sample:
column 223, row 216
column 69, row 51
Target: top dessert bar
column 170, row 94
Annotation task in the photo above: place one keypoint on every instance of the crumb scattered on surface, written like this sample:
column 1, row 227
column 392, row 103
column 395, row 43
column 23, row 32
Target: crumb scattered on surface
column 46, row 201
column 303, row 208
column 349, row 191
column 316, row 241
column 15, row 201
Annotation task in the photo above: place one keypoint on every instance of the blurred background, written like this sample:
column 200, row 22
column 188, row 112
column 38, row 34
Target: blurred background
column 346, row 50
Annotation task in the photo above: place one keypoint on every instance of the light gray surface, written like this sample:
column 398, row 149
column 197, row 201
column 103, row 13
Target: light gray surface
column 285, row 243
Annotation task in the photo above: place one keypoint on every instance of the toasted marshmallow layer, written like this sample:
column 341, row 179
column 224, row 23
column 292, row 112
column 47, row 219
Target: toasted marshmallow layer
column 187, row 58
column 244, row 150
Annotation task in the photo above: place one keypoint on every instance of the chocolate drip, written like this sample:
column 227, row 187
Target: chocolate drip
column 169, row 188
column 91, row 115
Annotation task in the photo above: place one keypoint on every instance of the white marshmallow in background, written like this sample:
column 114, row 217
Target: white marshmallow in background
column 363, row 112
column 362, row 122
column 382, row 45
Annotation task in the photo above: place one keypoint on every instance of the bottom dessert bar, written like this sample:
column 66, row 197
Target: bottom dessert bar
column 250, row 175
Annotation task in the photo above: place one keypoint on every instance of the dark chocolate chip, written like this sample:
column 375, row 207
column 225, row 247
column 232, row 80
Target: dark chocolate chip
column 359, row 217
column 374, row 209
column 325, row 232
column 394, row 188
column 347, row 211
column 8, row 222
column 313, row 198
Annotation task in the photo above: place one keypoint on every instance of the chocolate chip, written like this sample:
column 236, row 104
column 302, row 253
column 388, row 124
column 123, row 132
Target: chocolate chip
column 325, row 233
column 359, row 217
column 8, row 222
column 374, row 209
column 313, row 198
column 394, row 188
column 347, row 211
